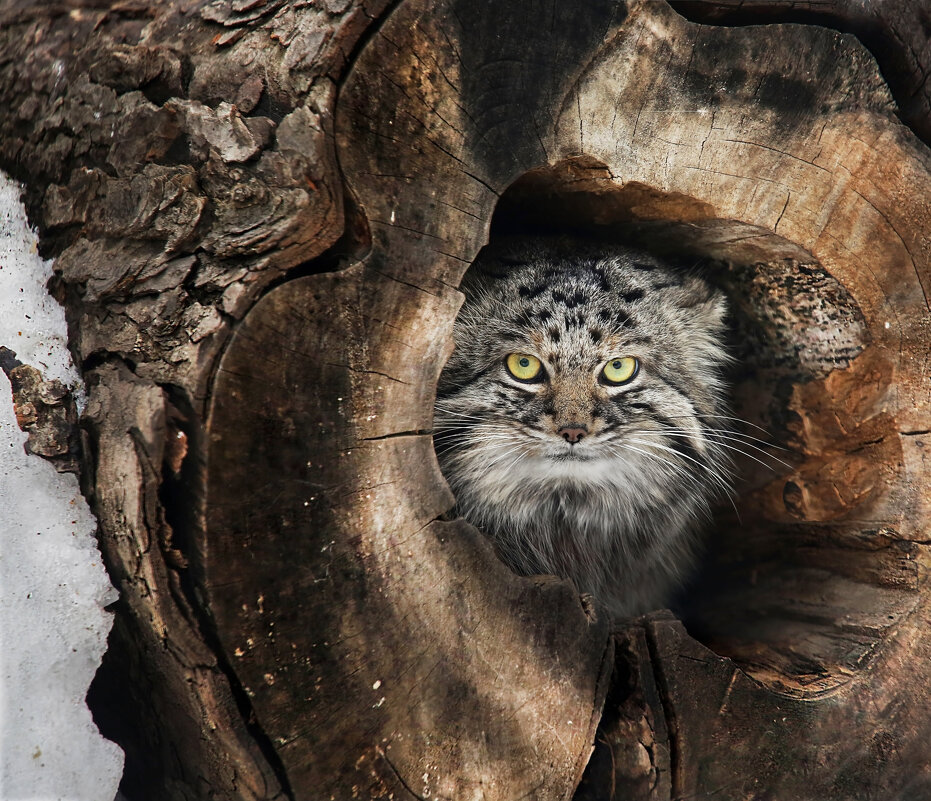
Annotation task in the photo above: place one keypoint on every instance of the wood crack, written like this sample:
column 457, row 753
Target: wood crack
column 668, row 711
column 396, row 434
column 394, row 770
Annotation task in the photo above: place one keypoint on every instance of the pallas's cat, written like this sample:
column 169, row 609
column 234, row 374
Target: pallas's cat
column 579, row 418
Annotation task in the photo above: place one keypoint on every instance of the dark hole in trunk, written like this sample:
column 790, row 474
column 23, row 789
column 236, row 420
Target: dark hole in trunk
column 803, row 575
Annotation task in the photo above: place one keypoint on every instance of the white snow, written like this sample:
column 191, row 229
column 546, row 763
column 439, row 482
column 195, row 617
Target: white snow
column 31, row 322
column 53, row 587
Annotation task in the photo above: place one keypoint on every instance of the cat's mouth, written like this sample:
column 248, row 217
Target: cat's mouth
column 570, row 455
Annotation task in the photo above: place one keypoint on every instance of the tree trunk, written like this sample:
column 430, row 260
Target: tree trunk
column 259, row 214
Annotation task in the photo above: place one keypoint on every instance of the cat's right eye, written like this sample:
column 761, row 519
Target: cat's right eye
column 524, row 367
column 620, row 370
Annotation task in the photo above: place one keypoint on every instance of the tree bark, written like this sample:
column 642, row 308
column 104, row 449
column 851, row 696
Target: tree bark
column 259, row 214
column 177, row 159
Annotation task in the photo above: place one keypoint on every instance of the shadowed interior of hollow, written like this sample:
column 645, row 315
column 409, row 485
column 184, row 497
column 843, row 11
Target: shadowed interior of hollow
column 799, row 581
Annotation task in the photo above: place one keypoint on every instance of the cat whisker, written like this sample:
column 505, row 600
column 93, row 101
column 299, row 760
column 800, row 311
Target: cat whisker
column 511, row 465
column 719, row 417
column 477, row 430
column 735, row 449
column 499, row 440
column 481, row 425
column 474, row 432
column 449, row 416
column 720, row 439
column 733, row 432
column 475, row 445
column 682, row 472
column 741, row 448
column 450, row 409
column 718, row 479
column 748, row 438
column 679, row 469
column 761, row 462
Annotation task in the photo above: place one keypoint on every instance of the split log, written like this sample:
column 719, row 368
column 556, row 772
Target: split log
column 262, row 329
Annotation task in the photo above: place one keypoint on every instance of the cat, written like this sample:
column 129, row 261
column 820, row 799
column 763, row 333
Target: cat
column 579, row 420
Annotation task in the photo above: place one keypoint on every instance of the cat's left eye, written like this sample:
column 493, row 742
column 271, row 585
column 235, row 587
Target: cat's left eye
column 620, row 370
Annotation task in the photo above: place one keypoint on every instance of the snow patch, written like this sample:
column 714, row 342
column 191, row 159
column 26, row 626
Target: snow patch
column 53, row 586
column 32, row 323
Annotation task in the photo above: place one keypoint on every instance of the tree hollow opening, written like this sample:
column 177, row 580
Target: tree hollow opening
column 803, row 575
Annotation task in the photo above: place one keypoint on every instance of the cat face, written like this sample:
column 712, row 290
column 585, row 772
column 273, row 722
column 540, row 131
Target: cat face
column 582, row 368
column 578, row 420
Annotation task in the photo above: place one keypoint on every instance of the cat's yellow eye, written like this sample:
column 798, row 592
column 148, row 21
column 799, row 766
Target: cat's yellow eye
column 620, row 370
column 523, row 366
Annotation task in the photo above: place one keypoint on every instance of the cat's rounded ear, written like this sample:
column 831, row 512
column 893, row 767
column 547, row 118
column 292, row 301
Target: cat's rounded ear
column 709, row 303
column 714, row 310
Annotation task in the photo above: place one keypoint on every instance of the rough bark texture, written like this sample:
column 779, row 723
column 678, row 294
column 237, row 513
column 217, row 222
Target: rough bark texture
column 177, row 159
column 259, row 212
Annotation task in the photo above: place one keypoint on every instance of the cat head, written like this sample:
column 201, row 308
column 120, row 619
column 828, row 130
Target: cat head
column 577, row 364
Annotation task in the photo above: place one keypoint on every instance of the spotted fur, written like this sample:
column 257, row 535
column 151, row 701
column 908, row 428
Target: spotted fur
column 617, row 511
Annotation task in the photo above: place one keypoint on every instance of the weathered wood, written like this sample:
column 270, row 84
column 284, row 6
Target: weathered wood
column 413, row 663
column 897, row 33
column 413, row 131
column 741, row 741
column 383, row 649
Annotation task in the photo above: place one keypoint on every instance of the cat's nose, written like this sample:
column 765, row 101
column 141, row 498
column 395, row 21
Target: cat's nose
column 572, row 433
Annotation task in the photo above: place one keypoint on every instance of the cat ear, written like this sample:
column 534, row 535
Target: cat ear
column 709, row 304
column 714, row 311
